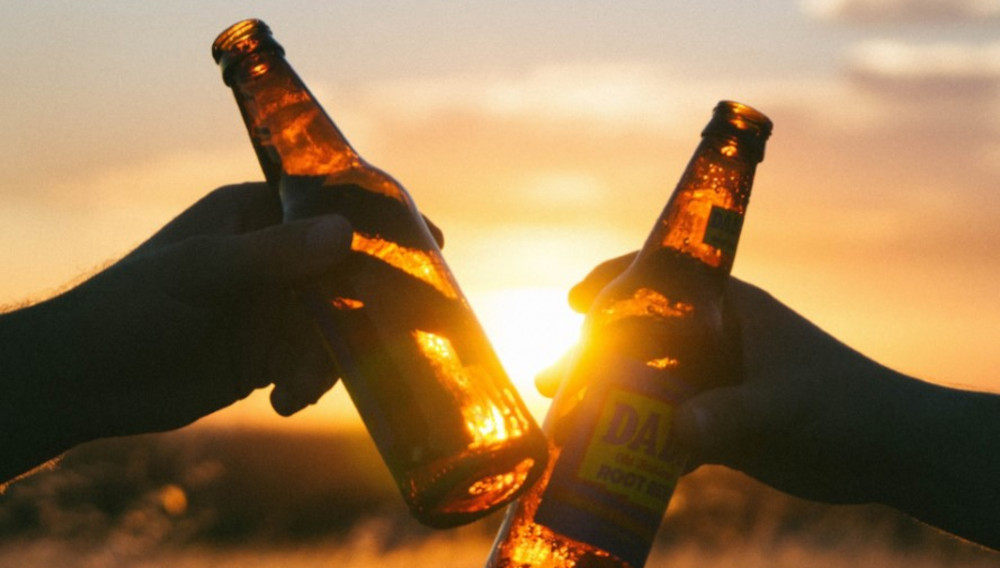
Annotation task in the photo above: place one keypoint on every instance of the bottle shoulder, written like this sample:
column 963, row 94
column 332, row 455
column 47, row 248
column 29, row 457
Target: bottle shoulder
column 370, row 178
column 357, row 175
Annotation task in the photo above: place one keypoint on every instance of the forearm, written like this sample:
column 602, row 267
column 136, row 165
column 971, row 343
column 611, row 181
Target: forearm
column 39, row 371
column 946, row 451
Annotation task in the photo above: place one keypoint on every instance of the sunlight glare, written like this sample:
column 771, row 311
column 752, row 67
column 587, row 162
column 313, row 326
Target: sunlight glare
column 530, row 328
column 484, row 420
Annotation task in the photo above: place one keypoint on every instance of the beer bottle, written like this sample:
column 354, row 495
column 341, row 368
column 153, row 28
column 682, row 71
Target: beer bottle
column 446, row 419
column 654, row 336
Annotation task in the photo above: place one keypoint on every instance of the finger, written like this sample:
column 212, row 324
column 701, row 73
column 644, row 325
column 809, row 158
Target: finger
column 234, row 209
column 269, row 331
column 251, row 357
column 436, row 232
column 549, row 380
column 583, row 294
column 715, row 426
column 304, row 369
column 291, row 252
column 300, row 390
column 230, row 209
column 281, row 254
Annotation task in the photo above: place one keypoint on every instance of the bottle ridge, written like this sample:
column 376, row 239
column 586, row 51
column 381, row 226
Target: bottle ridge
column 445, row 417
column 654, row 336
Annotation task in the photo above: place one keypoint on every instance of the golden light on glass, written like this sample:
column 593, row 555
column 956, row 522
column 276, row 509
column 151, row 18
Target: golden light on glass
column 342, row 303
column 503, row 483
column 307, row 158
column 460, row 421
column 422, row 265
column 484, row 421
column 694, row 213
column 295, row 141
column 259, row 69
column 662, row 363
column 645, row 302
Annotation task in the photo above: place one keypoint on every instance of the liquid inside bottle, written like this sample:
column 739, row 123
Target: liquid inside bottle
column 415, row 360
column 650, row 347
column 444, row 415
column 654, row 336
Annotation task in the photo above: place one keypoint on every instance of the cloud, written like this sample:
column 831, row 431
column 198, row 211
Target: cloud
column 559, row 189
column 526, row 141
column 75, row 225
column 573, row 114
column 562, row 104
column 943, row 68
column 618, row 94
column 902, row 11
column 537, row 142
column 517, row 254
column 164, row 183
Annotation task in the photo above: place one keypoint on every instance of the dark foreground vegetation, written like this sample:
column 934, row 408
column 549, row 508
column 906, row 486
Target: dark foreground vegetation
column 230, row 489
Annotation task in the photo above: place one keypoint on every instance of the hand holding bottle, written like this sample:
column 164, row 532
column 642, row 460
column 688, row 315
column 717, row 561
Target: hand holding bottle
column 449, row 425
column 654, row 337
column 816, row 419
column 191, row 321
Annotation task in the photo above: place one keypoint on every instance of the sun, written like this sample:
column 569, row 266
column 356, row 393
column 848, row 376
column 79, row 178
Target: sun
column 530, row 328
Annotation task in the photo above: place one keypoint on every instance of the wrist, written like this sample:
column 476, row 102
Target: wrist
column 39, row 391
column 944, row 459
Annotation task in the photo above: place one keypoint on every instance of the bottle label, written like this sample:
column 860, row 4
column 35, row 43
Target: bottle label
column 618, row 467
column 723, row 229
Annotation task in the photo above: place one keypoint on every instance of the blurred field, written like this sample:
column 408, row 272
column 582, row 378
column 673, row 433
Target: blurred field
column 250, row 498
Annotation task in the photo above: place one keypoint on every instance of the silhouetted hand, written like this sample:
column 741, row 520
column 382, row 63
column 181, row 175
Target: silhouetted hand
column 817, row 419
column 191, row 321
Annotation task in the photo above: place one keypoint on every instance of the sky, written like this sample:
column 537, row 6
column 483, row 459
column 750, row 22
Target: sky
column 544, row 138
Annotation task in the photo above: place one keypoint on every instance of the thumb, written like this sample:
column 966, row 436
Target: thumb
column 715, row 426
column 583, row 294
column 279, row 254
column 297, row 250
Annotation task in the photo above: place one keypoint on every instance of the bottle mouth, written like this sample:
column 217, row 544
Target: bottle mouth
column 745, row 117
column 738, row 120
column 241, row 40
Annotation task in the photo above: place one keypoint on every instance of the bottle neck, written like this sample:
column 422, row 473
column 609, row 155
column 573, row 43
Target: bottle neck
column 704, row 216
column 290, row 131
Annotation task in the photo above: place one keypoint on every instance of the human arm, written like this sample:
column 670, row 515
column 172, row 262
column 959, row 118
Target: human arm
column 191, row 321
column 817, row 419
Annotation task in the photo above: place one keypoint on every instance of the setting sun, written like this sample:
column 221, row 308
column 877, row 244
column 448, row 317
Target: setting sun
column 530, row 328
column 542, row 138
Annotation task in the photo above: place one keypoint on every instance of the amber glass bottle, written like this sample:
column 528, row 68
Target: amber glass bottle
column 448, row 423
column 655, row 335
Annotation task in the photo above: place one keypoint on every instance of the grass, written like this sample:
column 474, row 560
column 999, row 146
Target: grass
column 205, row 497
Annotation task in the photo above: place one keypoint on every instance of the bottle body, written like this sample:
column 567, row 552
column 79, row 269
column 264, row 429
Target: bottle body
column 431, row 391
column 654, row 336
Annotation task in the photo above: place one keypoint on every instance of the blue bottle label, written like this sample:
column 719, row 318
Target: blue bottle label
column 618, row 466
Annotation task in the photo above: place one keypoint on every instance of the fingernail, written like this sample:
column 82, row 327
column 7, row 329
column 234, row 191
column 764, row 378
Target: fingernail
column 329, row 236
